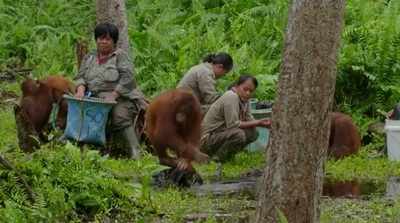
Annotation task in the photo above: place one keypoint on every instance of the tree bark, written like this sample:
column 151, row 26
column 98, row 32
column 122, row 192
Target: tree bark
column 114, row 11
column 292, row 181
column 81, row 49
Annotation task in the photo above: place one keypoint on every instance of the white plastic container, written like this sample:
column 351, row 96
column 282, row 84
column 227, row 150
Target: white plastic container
column 392, row 129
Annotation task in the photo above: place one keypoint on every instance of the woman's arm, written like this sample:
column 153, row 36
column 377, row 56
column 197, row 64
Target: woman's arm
column 207, row 87
column 126, row 81
column 249, row 124
column 80, row 77
column 80, row 81
column 255, row 123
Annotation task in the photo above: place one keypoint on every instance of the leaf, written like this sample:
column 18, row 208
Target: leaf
column 281, row 216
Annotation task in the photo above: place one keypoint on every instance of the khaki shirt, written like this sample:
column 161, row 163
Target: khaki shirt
column 115, row 74
column 200, row 79
column 226, row 113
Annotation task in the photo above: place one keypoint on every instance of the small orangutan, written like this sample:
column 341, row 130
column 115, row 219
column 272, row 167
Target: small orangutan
column 349, row 189
column 38, row 97
column 173, row 121
column 60, row 86
column 344, row 139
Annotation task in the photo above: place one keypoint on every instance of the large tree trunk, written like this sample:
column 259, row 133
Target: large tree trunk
column 114, row 11
column 292, row 181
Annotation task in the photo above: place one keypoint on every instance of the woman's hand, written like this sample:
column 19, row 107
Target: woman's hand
column 112, row 96
column 265, row 123
column 390, row 114
column 80, row 92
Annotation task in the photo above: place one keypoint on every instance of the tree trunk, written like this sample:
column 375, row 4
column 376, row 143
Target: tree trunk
column 81, row 49
column 114, row 11
column 292, row 181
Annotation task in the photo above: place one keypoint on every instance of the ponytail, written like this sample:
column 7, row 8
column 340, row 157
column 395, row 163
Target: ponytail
column 209, row 58
column 220, row 58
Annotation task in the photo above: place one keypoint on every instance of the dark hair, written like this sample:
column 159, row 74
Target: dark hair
column 220, row 58
column 242, row 79
column 106, row 28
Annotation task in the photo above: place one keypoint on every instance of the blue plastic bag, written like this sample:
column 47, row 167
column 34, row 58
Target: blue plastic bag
column 87, row 119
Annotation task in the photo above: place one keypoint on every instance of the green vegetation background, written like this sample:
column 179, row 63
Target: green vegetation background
column 168, row 37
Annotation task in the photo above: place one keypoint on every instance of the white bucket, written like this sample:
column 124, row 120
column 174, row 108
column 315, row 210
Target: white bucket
column 392, row 128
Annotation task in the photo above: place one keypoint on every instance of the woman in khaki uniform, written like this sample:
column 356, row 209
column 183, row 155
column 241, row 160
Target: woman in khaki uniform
column 201, row 79
column 228, row 125
column 107, row 73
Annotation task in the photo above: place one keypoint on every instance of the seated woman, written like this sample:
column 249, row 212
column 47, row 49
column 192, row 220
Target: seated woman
column 201, row 79
column 107, row 73
column 229, row 126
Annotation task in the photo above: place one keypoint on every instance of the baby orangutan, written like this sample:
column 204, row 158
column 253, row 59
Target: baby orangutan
column 344, row 139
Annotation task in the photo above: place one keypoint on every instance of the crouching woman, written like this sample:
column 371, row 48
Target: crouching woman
column 229, row 126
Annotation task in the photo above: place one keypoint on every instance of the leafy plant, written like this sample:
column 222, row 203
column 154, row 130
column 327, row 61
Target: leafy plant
column 168, row 37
